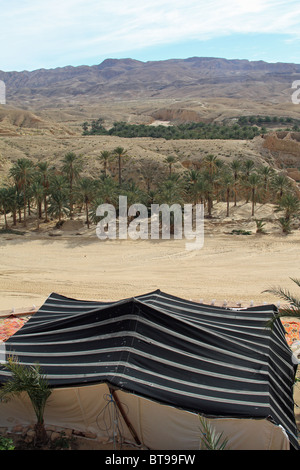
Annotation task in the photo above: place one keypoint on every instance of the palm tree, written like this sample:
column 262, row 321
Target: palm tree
column 134, row 194
column 290, row 205
column 107, row 189
column 235, row 167
column 96, row 202
column 280, row 184
column 248, row 167
column 151, row 197
column 203, row 188
column 13, row 199
column 170, row 160
column 38, row 195
column 120, row 152
column 28, row 379
column 58, row 200
column 22, row 173
column 293, row 303
column 212, row 164
column 151, row 173
column 20, row 204
column 4, row 204
column 58, row 205
column 285, row 225
column 45, row 171
column 260, row 226
column 192, row 179
column 171, row 190
column 208, row 184
column 104, row 157
column 85, row 192
column 72, row 167
column 266, row 172
column 227, row 182
column 253, row 183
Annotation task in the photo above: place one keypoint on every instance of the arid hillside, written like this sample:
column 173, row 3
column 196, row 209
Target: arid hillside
column 45, row 110
column 188, row 152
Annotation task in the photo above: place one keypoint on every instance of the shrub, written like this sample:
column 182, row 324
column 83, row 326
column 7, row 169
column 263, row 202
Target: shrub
column 6, row 443
column 260, row 226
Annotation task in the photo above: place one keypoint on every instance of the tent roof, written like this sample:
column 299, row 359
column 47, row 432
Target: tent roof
column 210, row 360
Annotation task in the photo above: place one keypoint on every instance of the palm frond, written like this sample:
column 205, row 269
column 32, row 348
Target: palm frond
column 28, row 379
column 211, row 440
column 284, row 294
column 290, row 310
column 296, row 281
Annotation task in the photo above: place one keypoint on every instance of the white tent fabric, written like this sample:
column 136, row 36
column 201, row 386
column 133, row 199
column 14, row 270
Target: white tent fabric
column 158, row 427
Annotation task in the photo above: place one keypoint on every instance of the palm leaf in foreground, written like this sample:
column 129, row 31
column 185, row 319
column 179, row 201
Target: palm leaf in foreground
column 210, row 439
column 293, row 307
column 28, row 379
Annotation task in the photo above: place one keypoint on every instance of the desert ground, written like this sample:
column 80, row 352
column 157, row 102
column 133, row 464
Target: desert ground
column 74, row 262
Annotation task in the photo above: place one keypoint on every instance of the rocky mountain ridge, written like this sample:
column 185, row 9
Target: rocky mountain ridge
column 116, row 79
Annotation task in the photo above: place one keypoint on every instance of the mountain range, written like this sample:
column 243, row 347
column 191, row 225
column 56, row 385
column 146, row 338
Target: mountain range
column 128, row 79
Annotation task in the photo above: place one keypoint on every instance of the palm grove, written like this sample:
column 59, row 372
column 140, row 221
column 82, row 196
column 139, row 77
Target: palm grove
column 46, row 193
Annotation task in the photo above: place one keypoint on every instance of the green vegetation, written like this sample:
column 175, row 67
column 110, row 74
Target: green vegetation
column 260, row 226
column 289, row 204
column 270, row 121
column 6, row 443
column 191, row 130
column 30, row 380
column 47, row 193
column 243, row 127
column 240, row 232
column 210, row 439
column 292, row 308
column 11, row 231
column 62, row 442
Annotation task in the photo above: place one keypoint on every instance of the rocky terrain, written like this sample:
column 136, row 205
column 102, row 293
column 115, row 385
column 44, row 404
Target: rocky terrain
column 193, row 89
column 125, row 79
column 45, row 109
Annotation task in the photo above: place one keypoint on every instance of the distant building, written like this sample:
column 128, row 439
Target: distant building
column 2, row 93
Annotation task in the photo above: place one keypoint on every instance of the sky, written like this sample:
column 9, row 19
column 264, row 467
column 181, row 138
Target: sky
column 37, row 34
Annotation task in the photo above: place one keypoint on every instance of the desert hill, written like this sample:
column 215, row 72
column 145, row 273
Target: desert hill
column 189, row 152
column 46, row 108
column 16, row 122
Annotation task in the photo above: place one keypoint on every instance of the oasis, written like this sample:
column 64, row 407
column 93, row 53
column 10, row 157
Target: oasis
column 134, row 222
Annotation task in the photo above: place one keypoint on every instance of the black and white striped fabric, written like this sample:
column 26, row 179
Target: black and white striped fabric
column 205, row 359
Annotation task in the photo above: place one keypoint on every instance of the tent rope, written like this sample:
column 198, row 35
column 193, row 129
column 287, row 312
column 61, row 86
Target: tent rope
column 111, row 420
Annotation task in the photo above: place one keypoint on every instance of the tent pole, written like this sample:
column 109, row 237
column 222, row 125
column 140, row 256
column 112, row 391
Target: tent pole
column 130, row 427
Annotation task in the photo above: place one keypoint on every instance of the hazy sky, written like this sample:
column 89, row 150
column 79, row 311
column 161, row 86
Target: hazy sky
column 46, row 34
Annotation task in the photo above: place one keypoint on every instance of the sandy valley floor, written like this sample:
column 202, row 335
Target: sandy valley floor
column 235, row 268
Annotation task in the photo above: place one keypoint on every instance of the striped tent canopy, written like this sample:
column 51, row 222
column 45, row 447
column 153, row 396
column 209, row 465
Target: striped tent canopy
column 210, row 360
